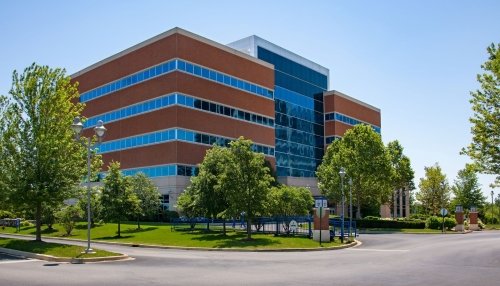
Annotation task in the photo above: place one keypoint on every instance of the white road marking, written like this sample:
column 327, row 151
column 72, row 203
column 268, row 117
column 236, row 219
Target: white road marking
column 18, row 261
column 380, row 250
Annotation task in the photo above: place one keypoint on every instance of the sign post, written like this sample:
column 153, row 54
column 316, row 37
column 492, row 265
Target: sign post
column 444, row 212
column 320, row 225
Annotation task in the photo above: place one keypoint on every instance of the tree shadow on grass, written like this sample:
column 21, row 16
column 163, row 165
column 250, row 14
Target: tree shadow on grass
column 135, row 230
column 114, row 237
column 237, row 240
column 44, row 231
column 84, row 226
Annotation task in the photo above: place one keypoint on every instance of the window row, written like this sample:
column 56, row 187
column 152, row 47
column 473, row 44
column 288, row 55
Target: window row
column 330, row 139
column 296, row 162
column 293, row 68
column 219, row 77
column 298, row 111
column 168, row 67
column 298, row 99
column 299, row 149
column 129, row 80
column 297, row 85
column 293, row 135
column 223, row 110
column 299, row 124
column 334, row 116
column 168, row 100
column 170, row 135
column 289, row 172
column 163, row 171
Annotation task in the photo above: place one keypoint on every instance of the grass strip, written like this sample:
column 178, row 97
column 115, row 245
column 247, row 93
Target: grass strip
column 163, row 234
column 53, row 249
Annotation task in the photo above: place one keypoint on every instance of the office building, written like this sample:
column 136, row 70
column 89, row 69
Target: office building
column 166, row 100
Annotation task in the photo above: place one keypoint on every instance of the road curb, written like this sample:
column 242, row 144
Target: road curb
column 352, row 244
column 61, row 259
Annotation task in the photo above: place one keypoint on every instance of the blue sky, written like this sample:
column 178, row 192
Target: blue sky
column 415, row 60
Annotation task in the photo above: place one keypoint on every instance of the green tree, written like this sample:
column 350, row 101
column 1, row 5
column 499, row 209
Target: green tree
column 245, row 181
column 42, row 162
column 403, row 174
column 95, row 203
column 148, row 195
column 68, row 216
column 434, row 192
column 366, row 161
column 467, row 189
column 187, row 203
column 289, row 201
column 207, row 197
column 484, row 149
column 118, row 200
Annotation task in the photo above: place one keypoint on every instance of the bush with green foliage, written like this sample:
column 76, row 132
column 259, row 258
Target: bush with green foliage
column 434, row 222
column 380, row 223
column 370, row 217
column 6, row 214
column 168, row 216
column 68, row 216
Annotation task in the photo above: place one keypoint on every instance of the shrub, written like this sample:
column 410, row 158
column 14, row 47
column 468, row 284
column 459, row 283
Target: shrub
column 419, row 216
column 67, row 218
column 371, row 223
column 370, row 217
column 434, row 222
column 6, row 214
column 26, row 223
column 168, row 216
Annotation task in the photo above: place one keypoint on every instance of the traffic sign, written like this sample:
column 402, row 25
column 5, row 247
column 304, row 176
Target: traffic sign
column 444, row 212
column 321, row 203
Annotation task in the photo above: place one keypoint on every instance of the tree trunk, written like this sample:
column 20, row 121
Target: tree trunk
column 138, row 223
column 249, row 228
column 119, row 229
column 38, row 218
column 358, row 211
column 224, row 227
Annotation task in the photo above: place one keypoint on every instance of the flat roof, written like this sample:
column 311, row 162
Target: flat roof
column 168, row 33
column 338, row 93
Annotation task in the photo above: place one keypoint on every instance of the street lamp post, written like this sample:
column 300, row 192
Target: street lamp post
column 342, row 174
column 350, row 206
column 99, row 130
column 443, row 186
column 492, row 193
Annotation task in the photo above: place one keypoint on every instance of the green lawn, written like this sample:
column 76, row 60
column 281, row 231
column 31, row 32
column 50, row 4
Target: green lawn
column 54, row 249
column 162, row 234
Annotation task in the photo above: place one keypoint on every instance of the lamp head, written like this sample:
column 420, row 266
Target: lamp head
column 100, row 130
column 77, row 126
column 342, row 172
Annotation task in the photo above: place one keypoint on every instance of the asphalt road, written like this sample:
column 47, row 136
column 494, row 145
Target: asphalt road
column 382, row 259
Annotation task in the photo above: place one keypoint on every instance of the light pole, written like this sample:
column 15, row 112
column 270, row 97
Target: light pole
column 492, row 193
column 342, row 174
column 99, row 130
column 443, row 186
column 350, row 206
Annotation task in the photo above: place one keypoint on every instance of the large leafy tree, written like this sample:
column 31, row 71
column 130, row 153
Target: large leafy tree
column 467, row 189
column 403, row 174
column 118, row 200
column 245, row 181
column 484, row 149
column 148, row 195
column 289, row 201
column 41, row 163
column 207, row 198
column 366, row 161
column 434, row 191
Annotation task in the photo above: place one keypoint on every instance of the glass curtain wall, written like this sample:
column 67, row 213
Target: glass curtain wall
column 299, row 119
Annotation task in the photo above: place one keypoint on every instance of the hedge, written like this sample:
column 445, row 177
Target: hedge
column 371, row 223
